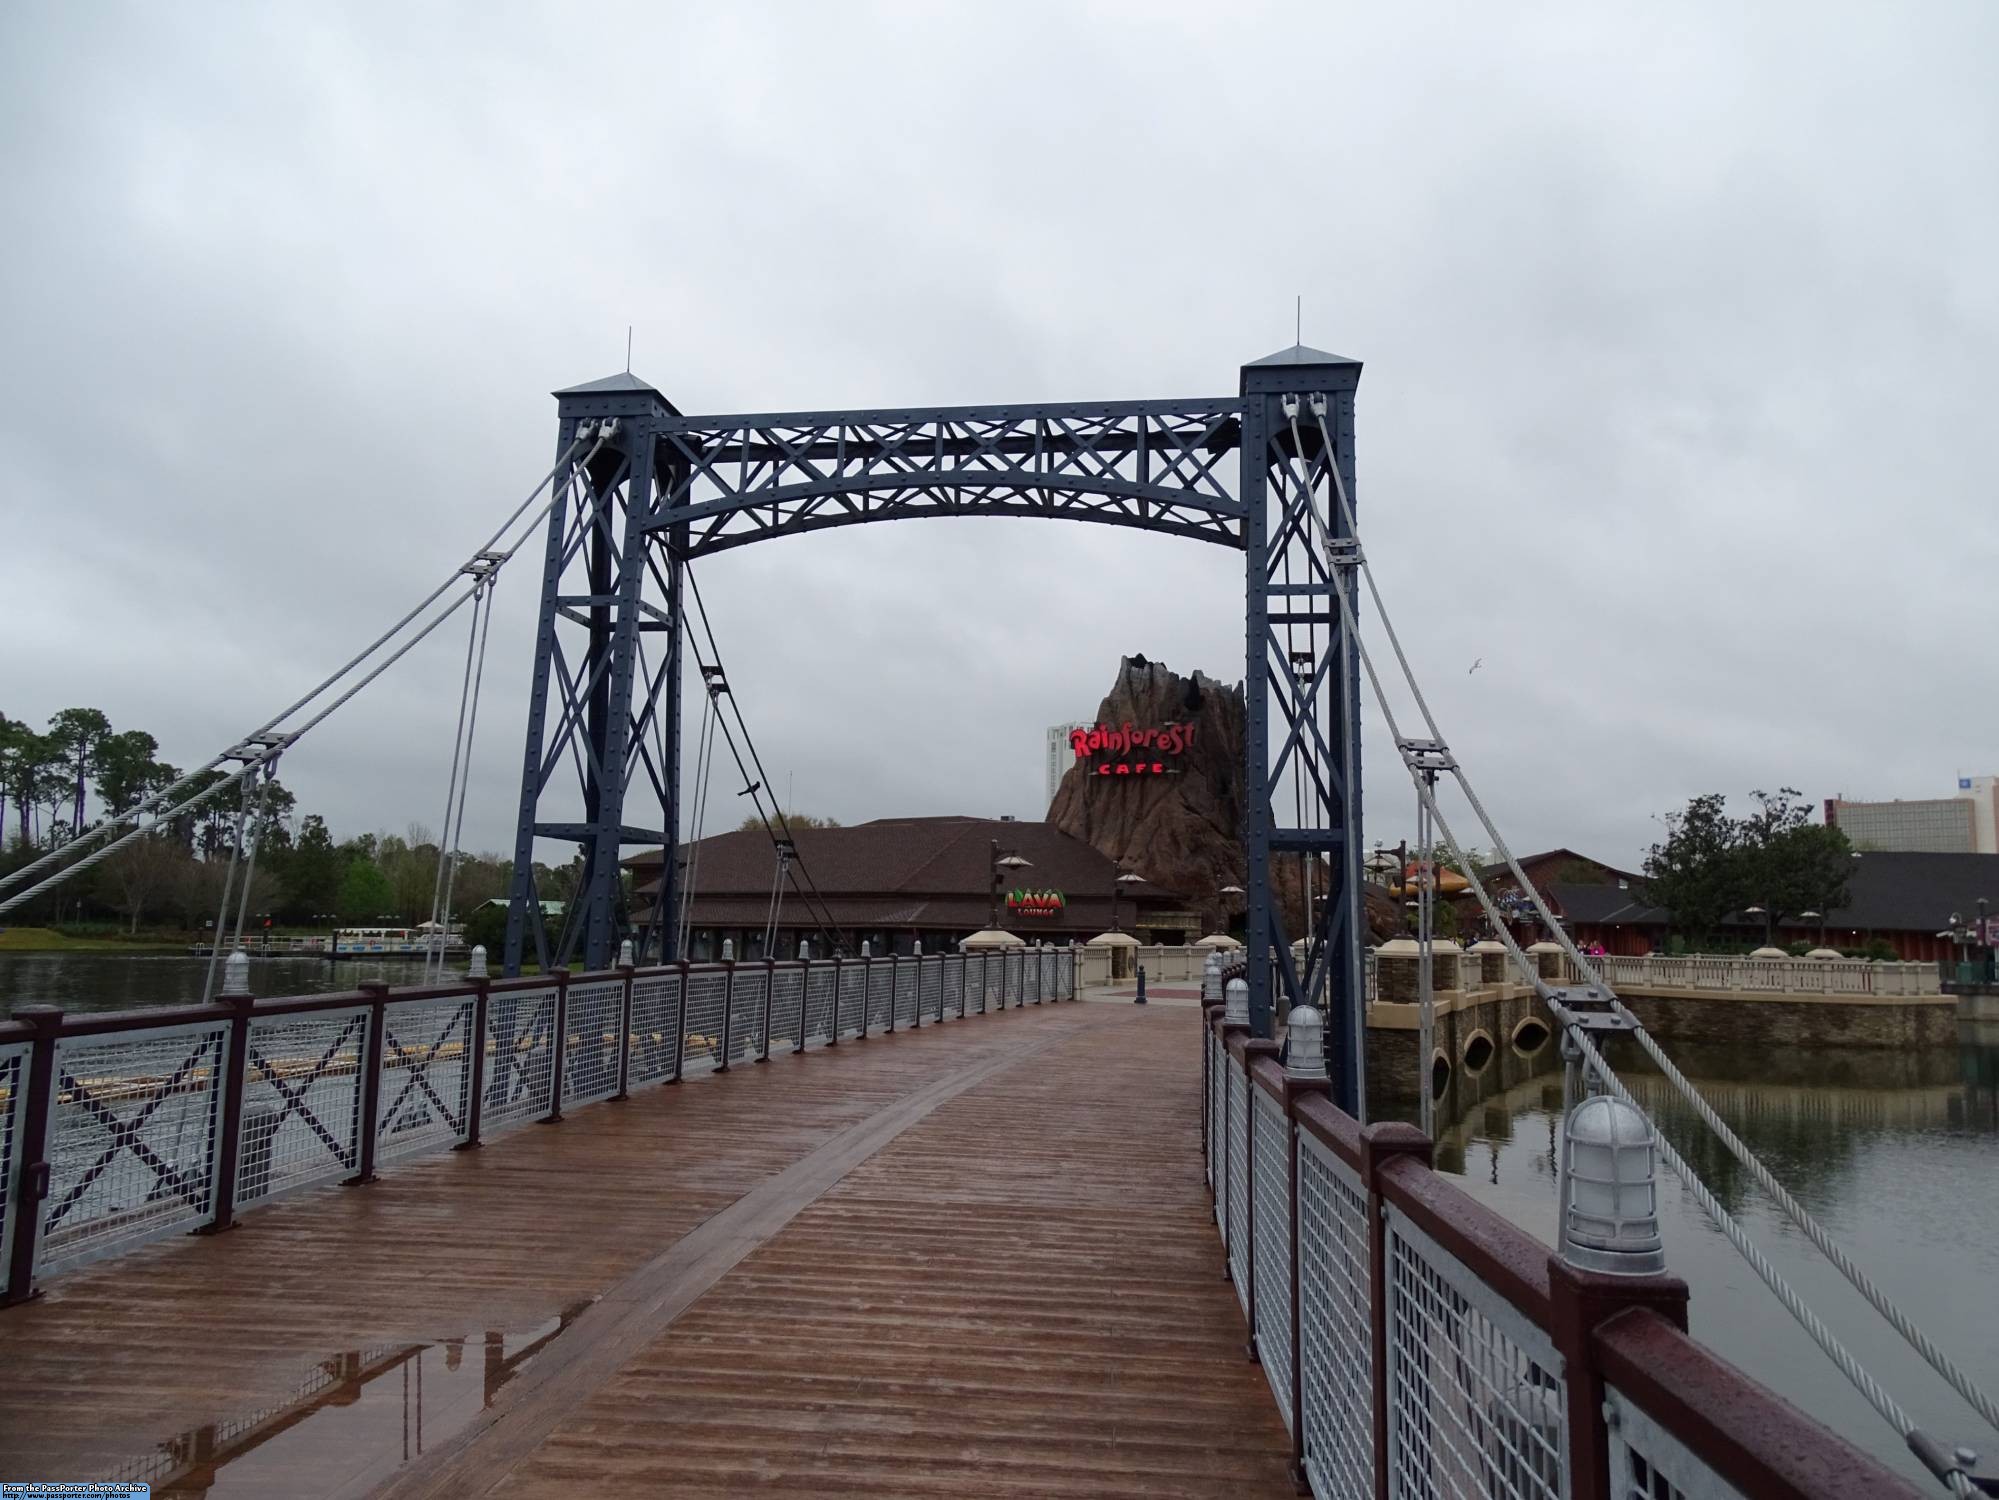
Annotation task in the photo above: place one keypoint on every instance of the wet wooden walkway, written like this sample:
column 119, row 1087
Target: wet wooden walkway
column 974, row 1259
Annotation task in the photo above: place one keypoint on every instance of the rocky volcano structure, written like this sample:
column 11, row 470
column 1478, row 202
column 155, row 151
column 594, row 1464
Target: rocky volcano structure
column 1180, row 825
column 1160, row 786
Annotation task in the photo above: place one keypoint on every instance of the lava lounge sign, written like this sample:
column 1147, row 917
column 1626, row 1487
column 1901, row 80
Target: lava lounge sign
column 1035, row 903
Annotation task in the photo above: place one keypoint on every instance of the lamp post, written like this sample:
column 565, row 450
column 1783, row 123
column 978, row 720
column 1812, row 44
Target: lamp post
column 1815, row 916
column 1124, row 879
column 1003, row 860
column 1764, row 913
column 1228, row 893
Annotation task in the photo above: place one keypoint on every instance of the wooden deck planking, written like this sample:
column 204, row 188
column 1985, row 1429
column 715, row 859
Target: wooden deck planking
column 1019, row 1293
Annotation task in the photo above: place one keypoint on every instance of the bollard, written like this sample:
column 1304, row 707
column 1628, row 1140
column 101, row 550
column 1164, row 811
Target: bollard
column 1139, row 998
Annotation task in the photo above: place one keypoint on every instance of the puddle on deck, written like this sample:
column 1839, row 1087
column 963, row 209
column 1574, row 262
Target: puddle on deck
column 354, row 1419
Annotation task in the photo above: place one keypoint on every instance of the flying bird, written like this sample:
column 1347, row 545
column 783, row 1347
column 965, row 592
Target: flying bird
column 1475, row 666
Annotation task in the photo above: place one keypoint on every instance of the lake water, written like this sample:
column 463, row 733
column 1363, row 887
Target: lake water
column 119, row 981
column 1896, row 1153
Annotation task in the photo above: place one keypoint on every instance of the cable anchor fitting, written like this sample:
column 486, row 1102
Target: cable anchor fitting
column 1426, row 755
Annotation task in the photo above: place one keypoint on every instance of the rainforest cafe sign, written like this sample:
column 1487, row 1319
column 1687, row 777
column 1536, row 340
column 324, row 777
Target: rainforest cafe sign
column 1135, row 752
column 1034, row 903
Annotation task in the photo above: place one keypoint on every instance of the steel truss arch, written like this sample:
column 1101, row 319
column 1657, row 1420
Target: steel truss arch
column 1151, row 465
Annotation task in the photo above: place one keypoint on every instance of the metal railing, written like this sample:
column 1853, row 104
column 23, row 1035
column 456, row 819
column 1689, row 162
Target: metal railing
column 117, row 1129
column 1802, row 976
column 1418, row 1345
column 1771, row 976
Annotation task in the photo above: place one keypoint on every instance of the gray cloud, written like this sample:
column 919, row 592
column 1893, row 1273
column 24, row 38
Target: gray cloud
column 1680, row 330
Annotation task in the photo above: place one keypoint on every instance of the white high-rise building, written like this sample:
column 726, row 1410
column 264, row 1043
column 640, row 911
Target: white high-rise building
column 1060, row 755
column 1982, row 792
column 1967, row 823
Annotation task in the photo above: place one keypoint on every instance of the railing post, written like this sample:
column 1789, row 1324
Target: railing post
column 728, row 1015
column 625, row 972
column 894, row 982
column 1252, row 1049
column 33, row 1185
column 770, row 990
column 475, row 1109
column 839, row 989
column 680, row 1023
column 371, row 1082
column 867, row 984
column 943, row 965
column 230, row 1145
column 805, row 1002
column 1380, row 1145
column 561, row 1042
column 916, row 1000
column 1579, row 1301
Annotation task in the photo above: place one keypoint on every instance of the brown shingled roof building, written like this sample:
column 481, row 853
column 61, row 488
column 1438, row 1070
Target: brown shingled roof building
column 897, row 880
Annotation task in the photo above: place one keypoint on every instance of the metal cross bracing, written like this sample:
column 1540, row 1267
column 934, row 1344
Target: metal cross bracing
column 664, row 489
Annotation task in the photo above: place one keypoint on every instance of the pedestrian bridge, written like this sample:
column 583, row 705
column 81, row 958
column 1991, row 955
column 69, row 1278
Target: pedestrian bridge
column 892, row 1227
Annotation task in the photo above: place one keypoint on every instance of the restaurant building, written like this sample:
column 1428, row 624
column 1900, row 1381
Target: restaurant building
column 897, row 881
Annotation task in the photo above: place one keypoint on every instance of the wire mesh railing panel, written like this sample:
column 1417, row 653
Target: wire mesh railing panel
column 1066, row 973
column 302, row 1096
column 13, row 1117
column 746, row 1013
column 520, row 1066
column 707, row 995
column 1272, row 1191
column 1012, row 967
column 992, row 982
column 426, row 1086
column 904, row 977
column 822, row 982
column 787, row 1009
column 853, row 998
column 1212, row 1081
column 591, row 1046
column 1476, row 1405
column 951, row 976
column 881, row 994
column 1237, row 1231
column 1649, row 1463
column 1335, row 1328
column 655, row 1029
column 929, row 988
column 133, row 1138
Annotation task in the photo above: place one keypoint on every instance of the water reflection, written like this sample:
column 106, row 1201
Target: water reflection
column 351, row 1421
column 1893, row 1151
column 119, row 981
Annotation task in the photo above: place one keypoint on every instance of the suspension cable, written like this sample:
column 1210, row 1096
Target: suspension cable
column 434, row 949
column 1813, row 1326
column 815, row 902
column 216, row 946
column 258, row 826
column 452, row 829
column 269, row 728
column 704, row 761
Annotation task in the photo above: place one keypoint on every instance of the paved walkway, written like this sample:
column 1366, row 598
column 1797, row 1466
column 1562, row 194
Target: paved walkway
column 974, row 1259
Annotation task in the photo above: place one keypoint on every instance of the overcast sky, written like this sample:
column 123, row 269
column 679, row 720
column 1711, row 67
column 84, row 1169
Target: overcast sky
column 1681, row 335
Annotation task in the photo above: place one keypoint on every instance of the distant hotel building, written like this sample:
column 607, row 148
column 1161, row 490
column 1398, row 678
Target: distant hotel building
column 1059, row 754
column 1967, row 823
